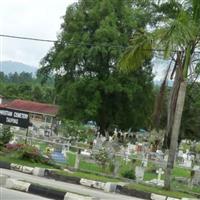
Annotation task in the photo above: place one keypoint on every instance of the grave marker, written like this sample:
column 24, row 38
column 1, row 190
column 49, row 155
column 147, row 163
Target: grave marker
column 160, row 172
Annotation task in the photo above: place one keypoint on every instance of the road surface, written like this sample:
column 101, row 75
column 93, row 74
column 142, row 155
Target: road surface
column 66, row 186
column 6, row 194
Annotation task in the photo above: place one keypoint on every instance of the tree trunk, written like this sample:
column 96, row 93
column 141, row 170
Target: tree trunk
column 175, row 133
column 178, row 68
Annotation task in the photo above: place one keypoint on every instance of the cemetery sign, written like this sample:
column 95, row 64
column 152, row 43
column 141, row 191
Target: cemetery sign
column 14, row 117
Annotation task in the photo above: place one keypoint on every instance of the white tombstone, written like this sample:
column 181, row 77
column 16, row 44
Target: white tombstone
column 86, row 153
column 139, row 173
column 160, row 172
column 188, row 163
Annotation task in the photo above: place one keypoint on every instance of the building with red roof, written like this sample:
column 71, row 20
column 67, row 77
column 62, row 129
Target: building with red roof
column 33, row 107
column 43, row 116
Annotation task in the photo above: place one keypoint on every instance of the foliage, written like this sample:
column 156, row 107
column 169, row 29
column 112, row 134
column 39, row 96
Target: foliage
column 13, row 147
column 159, row 190
column 76, row 131
column 191, row 115
column 177, row 35
column 25, row 86
column 130, row 174
column 27, row 152
column 102, row 157
column 89, row 85
column 5, row 135
column 197, row 148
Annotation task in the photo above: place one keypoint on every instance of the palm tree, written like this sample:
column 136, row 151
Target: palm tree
column 177, row 38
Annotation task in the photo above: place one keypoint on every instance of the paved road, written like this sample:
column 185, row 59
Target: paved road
column 66, row 186
column 6, row 194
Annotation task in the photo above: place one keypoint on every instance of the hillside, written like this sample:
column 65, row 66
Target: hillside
column 12, row 67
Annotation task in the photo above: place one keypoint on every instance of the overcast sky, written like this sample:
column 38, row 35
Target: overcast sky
column 40, row 19
column 30, row 18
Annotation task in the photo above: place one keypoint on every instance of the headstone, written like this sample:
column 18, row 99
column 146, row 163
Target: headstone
column 160, row 172
column 86, row 153
column 187, row 163
column 116, row 168
column 58, row 157
column 139, row 173
column 145, row 160
column 77, row 161
column 196, row 178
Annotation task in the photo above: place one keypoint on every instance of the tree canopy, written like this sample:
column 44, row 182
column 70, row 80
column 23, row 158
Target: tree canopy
column 93, row 36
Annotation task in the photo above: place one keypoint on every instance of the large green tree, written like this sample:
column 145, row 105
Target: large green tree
column 178, row 36
column 89, row 87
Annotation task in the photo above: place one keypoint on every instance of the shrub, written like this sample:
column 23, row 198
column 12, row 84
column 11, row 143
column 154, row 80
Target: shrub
column 5, row 135
column 31, row 153
column 128, row 174
column 102, row 157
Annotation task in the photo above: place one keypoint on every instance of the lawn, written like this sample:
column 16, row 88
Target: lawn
column 28, row 163
column 90, row 176
column 158, row 190
column 150, row 174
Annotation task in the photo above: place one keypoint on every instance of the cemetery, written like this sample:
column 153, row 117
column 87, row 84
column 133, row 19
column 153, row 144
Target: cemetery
column 130, row 158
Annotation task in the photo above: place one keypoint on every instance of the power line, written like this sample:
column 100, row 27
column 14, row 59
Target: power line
column 26, row 38
column 83, row 44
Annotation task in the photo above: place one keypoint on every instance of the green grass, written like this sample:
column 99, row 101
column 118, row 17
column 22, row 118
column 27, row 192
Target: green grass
column 149, row 174
column 91, row 167
column 9, row 159
column 89, row 176
column 182, row 187
column 180, row 172
column 84, row 165
column 158, row 190
column 71, row 157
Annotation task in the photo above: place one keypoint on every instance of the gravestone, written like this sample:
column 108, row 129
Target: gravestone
column 139, row 173
column 145, row 160
column 187, row 163
column 58, row 157
column 116, row 168
column 160, row 172
column 196, row 178
column 77, row 161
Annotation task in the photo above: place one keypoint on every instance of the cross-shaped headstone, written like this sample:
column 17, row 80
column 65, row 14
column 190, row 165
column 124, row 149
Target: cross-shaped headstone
column 159, row 172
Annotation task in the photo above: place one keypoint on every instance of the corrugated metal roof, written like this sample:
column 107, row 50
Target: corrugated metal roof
column 33, row 107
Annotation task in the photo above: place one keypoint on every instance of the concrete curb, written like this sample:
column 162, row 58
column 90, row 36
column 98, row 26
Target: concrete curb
column 5, row 165
column 40, row 190
column 46, row 192
column 107, row 187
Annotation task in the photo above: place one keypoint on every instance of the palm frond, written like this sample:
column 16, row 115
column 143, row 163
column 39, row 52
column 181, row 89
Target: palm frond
column 177, row 34
column 135, row 55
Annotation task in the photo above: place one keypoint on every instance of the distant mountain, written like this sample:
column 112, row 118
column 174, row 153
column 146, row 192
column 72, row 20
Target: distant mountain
column 12, row 67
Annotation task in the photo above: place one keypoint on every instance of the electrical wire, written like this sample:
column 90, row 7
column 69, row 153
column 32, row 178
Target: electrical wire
column 82, row 43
